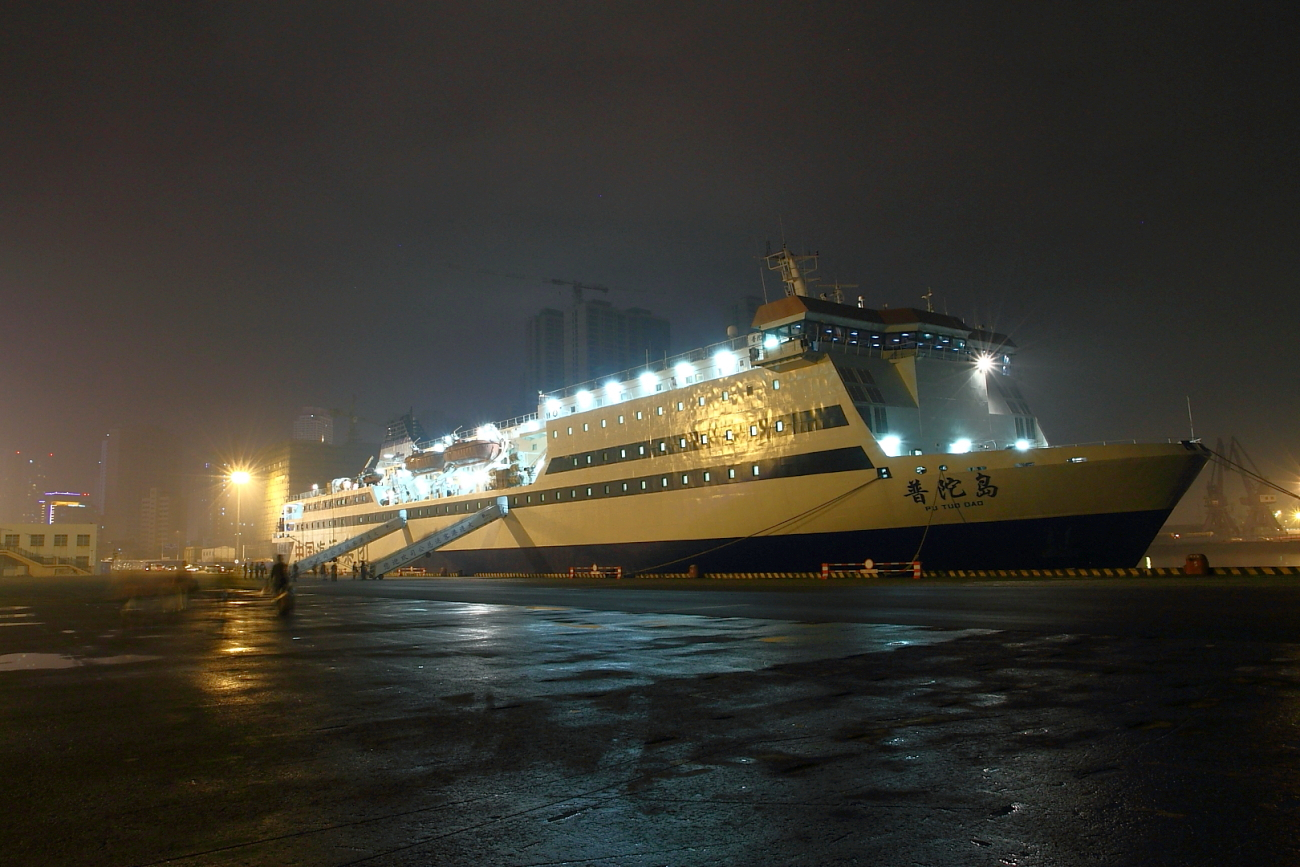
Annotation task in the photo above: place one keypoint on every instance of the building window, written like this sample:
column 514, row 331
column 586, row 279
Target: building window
column 83, row 561
column 60, row 540
column 11, row 540
column 38, row 540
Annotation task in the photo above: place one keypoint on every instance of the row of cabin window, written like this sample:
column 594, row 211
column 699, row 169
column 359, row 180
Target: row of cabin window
column 342, row 501
column 659, row 410
column 802, row 421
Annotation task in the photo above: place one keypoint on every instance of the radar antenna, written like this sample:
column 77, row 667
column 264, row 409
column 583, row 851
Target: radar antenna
column 796, row 279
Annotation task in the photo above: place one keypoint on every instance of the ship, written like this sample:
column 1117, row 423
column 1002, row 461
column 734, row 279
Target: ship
column 832, row 433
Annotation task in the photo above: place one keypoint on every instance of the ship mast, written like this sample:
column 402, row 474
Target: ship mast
column 796, row 281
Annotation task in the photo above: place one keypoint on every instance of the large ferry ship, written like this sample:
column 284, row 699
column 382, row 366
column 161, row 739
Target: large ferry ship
column 833, row 433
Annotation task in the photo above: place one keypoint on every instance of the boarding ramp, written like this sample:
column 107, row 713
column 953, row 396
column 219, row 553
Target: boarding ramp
column 379, row 531
column 438, row 538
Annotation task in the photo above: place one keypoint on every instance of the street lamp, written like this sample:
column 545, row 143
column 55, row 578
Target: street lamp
column 239, row 478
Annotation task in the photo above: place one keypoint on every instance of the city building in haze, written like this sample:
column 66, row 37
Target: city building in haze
column 66, row 507
column 314, row 424
column 139, row 494
column 24, row 476
column 292, row 468
column 588, row 340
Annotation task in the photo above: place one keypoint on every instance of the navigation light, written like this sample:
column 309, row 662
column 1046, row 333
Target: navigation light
column 891, row 445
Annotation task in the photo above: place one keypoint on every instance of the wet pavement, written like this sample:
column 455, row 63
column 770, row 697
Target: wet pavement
column 490, row 722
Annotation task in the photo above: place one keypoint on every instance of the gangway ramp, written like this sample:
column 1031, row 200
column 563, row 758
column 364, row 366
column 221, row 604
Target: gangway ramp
column 379, row 531
column 445, row 536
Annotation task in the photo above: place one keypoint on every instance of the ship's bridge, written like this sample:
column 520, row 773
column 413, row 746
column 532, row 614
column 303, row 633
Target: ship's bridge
column 922, row 381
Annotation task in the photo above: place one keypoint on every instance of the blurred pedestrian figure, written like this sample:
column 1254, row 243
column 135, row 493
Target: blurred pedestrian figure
column 334, row 571
column 354, row 570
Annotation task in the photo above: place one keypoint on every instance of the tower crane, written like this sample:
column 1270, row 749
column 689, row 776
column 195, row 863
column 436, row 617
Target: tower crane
column 578, row 287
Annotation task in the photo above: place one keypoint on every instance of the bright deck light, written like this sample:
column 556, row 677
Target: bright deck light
column 648, row 381
column 771, row 341
column 552, row 406
column 585, row 400
column 1022, row 445
column 984, row 363
column 613, row 390
column 239, row 477
column 725, row 362
column 960, row 447
column 891, row 445
column 683, row 370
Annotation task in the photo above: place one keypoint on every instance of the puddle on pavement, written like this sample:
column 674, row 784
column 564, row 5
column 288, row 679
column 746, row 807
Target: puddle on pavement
column 34, row 661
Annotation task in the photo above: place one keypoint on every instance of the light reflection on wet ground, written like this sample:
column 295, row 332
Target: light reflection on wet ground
column 415, row 731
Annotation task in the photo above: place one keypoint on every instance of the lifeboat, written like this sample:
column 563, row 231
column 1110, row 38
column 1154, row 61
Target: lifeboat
column 471, row 452
column 423, row 462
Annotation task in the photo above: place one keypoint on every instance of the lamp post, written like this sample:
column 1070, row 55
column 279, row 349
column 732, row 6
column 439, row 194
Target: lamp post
column 239, row 478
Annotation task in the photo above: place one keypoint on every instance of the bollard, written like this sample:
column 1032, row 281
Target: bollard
column 916, row 569
column 1196, row 564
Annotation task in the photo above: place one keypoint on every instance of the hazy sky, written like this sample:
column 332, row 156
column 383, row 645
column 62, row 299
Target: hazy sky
column 213, row 214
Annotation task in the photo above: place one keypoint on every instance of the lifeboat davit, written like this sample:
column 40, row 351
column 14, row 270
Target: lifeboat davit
column 471, row 452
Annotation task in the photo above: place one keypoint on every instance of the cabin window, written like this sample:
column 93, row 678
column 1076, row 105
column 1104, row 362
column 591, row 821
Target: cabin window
column 607, row 489
column 603, row 423
column 659, row 410
column 730, row 436
column 780, row 426
column 625, row 487
column 555, row 434
column 882, row 472
column 543, row 498
column 573, row 494
column 776, row 384
column 644, row 484
column 620, row 419
column 622, row 453
column 753, row 430
column 663, row 446
column 726, row 395
column 686, row 480
column 681, row 405
column 640, row 450
column 682, row 442
column 665, row 481
column 731, row 473
column 588, row 492
column 638, row 415
column 755, row 469
column 708, row 476
column 570, row 431
column 704, row 439
column 701, row 399
column 585, row 426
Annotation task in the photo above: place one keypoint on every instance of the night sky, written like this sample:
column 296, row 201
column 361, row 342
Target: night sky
column 214, row 214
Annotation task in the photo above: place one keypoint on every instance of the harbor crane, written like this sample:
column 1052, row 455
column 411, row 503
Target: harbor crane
column 578, row 287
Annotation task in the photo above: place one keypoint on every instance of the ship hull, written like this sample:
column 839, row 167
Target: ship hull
column 1077, row 541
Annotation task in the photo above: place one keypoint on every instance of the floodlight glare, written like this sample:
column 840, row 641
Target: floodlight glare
column 891, row 445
